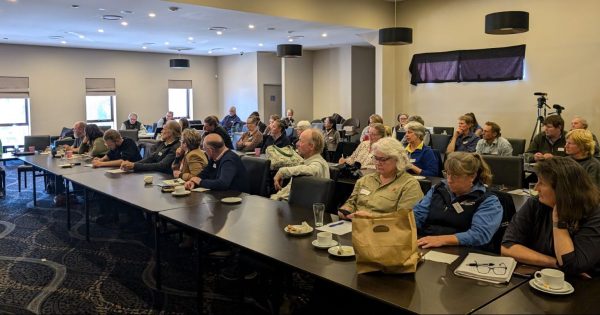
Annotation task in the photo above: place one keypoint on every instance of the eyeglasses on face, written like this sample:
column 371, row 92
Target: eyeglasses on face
column 380, row 159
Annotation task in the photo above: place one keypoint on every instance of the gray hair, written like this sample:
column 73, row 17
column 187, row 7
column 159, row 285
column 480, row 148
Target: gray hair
column 416, row 118
column 391, row 147
column 583, row 121
column 303, row 125
column 418, row 129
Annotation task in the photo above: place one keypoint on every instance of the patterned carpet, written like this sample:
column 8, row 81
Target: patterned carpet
column 44, row 268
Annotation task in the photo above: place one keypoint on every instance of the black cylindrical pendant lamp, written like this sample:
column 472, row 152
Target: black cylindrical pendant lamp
column 395, row 36
column 289, row 50
column 179, row 63
column 507, row 22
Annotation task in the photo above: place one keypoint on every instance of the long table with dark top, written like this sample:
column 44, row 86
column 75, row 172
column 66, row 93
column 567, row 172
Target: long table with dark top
column 256, row 224
column 527, row 300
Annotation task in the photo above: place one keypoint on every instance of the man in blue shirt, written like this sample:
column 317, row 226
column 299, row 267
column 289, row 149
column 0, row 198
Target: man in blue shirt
column 230, row 120
column 464, row 139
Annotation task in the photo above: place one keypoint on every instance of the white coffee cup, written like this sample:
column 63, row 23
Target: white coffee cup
column 551, row 278
column 179, row 189
column 324, row 238
column 148, row 179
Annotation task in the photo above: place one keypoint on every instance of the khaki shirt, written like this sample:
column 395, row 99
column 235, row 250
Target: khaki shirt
column 400, row 194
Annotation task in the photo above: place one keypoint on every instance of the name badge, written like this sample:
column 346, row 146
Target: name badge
column 457, row 207
column 412, row 160
column 365, row 192
column 160, row 153
column 214, row 165
column 561, row 149
column 330, row 138
column 465, row 141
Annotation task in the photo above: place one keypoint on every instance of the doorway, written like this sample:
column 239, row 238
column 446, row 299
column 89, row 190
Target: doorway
column 271, row 100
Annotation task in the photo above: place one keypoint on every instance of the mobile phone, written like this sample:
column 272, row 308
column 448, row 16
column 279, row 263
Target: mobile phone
column 346, row 213
column 525, row 271
column 76, row 163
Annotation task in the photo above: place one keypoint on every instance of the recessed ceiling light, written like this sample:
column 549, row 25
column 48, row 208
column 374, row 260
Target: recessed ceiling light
column 152, row 14
column 210, row 51
column 290, row 40
column 13, row 1
column 250, row 26
column 64, row 42
column 81, row 36
column 100, row 30
column 324, row 35
column 219, row 33
column 260, row 44
column 101, row 9
column 166, row 43
column 190, row 38
column 112, row 17
column 234, row 48
column 124, row 23
column 144, row 47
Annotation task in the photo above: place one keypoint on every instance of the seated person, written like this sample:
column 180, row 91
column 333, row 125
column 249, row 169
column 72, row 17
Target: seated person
column 184, row 123
column 79, row 134
column 549, row 143
column 493, row 143
column 310, row 145
column 300, row 127
column 276, row 137
column 463, row 140
column 230, row 120
column 211, row 125
column 389, row 189
column 426, row 137
column 422, row 159
column 289, row 120
column 363, row 153
column 190, row 160
column 476, row 128
column 163, row 153
column 261, row 125
column 120, row 149
column 332, row 137
column 459, row 210
column 267, row 130
column 402, row 120
column 225, row 169
column 373, row 119
column 132, row 123
column 579, row 146
column 252, row 138
column 560, row 228
column 162, row 121
column 93, row 143
column 581, row 123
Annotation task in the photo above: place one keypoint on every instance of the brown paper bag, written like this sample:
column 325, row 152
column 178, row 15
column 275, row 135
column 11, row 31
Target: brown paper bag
column 386, row 243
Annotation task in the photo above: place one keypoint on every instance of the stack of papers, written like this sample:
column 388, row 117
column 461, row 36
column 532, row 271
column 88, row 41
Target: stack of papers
column 493, row 269
column 436, row 256
column 339, row 227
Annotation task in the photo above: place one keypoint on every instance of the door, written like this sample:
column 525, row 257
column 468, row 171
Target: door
column 272, row 100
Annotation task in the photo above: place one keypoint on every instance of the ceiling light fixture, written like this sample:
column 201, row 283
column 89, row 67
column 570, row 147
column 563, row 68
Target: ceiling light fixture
column 289, row 50
column 64, row 42
column 173, row 9
column 179, row 63
column 290, row 40
column 190, row 38
column 144, row 47
column 219, row 33
column 126, row 12
column 251, row 26
column 395, row 35
column 234, row 48
column 166, row 43
column 81, row 36
column 112, row 17
column 507, row 22
column 152, row 14
column 324, row 35
column 124, row 23
column 260, row 44
column 100, row 30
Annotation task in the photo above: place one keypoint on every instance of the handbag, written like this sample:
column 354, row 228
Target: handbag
column 282, row 157
column 386, row 243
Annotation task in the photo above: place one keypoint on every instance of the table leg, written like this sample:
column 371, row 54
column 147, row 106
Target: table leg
column 34, row 187
column 87, row 215
column 155, row 223
column 200, row 275
column 68, row 204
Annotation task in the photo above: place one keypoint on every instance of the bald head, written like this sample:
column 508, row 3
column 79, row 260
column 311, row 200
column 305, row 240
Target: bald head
column 213, row 145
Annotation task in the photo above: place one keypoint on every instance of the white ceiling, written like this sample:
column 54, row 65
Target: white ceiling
column 50, row 22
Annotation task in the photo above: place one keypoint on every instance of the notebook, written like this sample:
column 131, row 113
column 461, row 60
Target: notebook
column 493, row 269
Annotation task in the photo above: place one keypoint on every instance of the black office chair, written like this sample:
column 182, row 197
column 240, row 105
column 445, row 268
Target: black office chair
column 40, row 143
column 350, row 127
column 443, row 131
column 506, row 170
column 518, row 146
column 307, row 190
column 2, row 183
column 440, row 161
column 425, row 185
column 131, row 134
column 145, row 148
column 440, row 142
column 345, row 148
column 104, row 128
column 259, row 170
column 508, row 211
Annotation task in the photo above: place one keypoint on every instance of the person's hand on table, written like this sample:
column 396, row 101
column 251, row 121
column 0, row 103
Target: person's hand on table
column 538, row 156
column 277, row 181
column 96, row 163
column 176, row 173
column 191, row 184
column 342, row 160
column 434, row 241
column 127, row 166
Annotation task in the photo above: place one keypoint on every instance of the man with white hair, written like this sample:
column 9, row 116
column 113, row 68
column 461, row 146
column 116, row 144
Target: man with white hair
column 231, row 120
column 581, row 123
column 310, row 145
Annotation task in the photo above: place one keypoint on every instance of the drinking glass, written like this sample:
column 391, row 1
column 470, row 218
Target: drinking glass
column 532, row 191
column 318, row 210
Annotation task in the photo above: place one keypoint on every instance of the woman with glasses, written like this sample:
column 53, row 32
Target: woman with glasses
column 561, row 227
column 389, row 189
column 251, row 138
column 363, row 153
column 459, row 210
column 421, row 157
column 190, row 160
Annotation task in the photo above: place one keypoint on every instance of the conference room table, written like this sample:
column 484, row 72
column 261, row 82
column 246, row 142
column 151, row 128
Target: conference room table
column 257, row 226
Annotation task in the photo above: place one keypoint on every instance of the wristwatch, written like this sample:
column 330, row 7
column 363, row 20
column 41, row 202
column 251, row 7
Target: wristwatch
column 560, row 225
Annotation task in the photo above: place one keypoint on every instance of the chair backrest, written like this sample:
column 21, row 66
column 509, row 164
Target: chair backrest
column 195, row 122
column 345, row 148
column 440, row 142
column 63, row 142
column 352, row 122
column 39, row 142
column 144, row 148
column 259, row 170
column 65, row 132
column 440, row 161
column 443, row 130
column 157, row 131
column 104, row 128
column 508, row 211
column 400, row 135
column 425, row 185
column 131, row 134
column 518, row 145
column 197, row 126
column 307, row 190
column 506, row 170
column 317, row 125
column 154, row 125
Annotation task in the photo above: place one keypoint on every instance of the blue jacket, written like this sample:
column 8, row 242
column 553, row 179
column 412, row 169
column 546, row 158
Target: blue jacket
column 228, row 173
column 426, row 160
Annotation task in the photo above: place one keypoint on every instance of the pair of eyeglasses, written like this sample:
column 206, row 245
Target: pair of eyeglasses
column 485, row 268
column 380, row 158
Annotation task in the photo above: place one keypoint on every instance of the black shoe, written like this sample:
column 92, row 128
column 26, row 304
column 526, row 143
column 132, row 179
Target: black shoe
column 107, row 219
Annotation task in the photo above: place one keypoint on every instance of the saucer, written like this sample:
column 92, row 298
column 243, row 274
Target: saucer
column 316, row 244
column 567, row 288
column 347, row 251
column 304, row 230
column 231, row 200
column 184, row 193
column 419, row 177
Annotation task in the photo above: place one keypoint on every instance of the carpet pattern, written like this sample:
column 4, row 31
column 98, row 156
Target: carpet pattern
column 45, row 268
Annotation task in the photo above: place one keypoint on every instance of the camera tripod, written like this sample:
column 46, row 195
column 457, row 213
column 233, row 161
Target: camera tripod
column 542, row 107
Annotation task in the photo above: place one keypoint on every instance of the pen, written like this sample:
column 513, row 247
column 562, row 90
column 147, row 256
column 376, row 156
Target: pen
column 336, row 223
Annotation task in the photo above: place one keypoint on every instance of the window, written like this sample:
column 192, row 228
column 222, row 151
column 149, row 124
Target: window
column 180, row 98
column 100, row 102
column 477, row 65
column 14, row 106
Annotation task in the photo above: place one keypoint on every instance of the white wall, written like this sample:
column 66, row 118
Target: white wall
column 298, row 85
column 269, row 72
column 561, row 59
column 332, row 82
column 57, row 82
column 237, row 84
